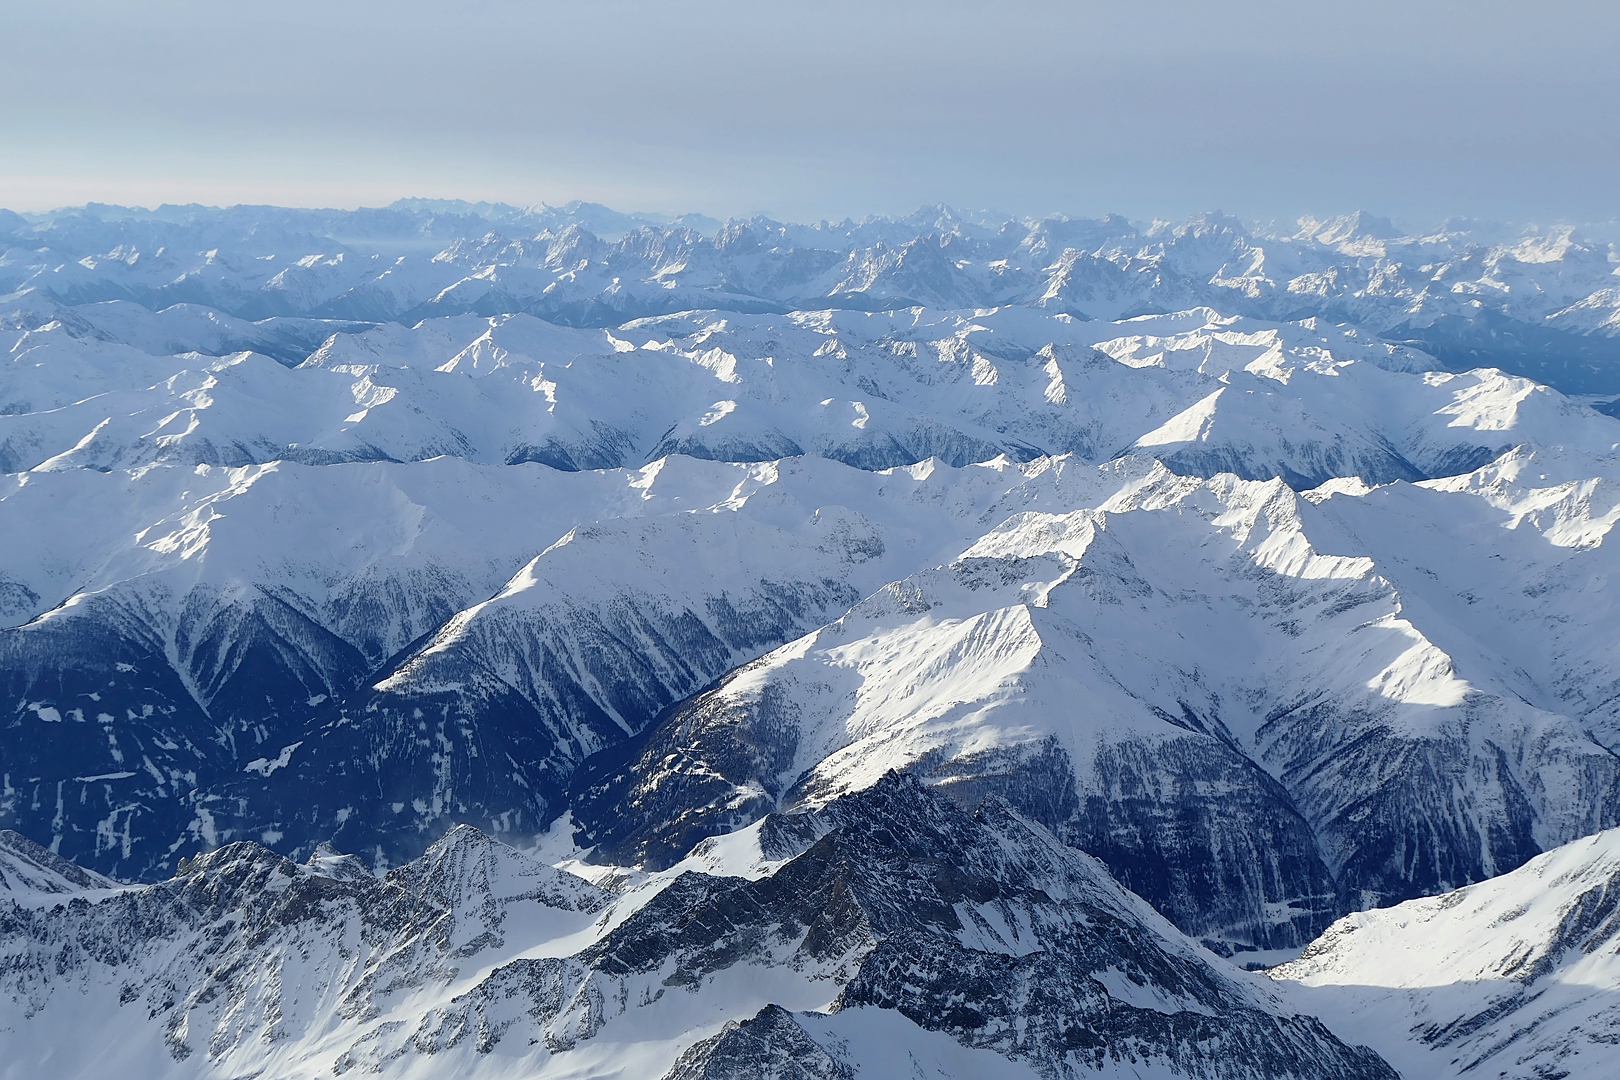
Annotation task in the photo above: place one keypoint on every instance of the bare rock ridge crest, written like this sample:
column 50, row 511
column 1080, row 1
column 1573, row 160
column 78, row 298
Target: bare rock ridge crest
column 558, row 642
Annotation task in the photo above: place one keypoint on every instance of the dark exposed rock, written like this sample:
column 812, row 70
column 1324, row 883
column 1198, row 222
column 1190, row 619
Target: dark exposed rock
column 983, row 926
column 767, row 1046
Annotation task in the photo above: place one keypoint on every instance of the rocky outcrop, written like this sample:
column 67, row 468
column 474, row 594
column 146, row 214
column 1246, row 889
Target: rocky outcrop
column 981, row 928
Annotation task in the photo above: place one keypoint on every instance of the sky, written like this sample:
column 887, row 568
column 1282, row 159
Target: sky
column 1418, row 110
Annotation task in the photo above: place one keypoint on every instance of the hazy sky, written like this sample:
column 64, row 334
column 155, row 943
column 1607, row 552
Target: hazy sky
column 807, row 110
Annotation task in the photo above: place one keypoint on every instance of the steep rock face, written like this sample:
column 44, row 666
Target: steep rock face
column 1516, row 975
column 479, row 882
column 1250, row 732
column 25, row 867
column 1209, row 838
column 191, row 660
column 486, row 720
column 906, row 903
column 183, row 737
column 768, row 1044
column 105, row 744
column 193, row 688
column 1180, row 816
column 242, row 955
column 978, row 942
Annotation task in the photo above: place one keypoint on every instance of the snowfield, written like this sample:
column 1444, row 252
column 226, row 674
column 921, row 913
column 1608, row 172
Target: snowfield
column 1514, row 976
column 558, row 643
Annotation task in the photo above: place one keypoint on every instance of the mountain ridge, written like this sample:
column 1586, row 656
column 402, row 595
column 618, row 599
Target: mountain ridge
column 1047, row 575
column 1539, row 304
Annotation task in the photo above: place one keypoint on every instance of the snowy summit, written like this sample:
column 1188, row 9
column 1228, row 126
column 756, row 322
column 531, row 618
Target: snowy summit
column 468, row 640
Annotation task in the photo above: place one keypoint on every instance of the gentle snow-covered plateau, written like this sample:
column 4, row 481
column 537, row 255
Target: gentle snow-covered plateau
column 940, row 646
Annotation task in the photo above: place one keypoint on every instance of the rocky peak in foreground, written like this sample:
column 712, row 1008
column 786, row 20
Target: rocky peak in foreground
column 977, row 941
column 826, row 635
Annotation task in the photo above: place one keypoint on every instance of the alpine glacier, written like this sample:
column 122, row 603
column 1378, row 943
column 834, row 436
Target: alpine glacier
column 558, row 642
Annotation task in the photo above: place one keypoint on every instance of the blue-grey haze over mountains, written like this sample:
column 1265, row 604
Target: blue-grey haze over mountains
column 804, row 110
column 789, row 539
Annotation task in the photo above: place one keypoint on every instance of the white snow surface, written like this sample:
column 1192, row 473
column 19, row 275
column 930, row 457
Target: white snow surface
column 269, row 987
column 874, row 390
column 29, row 873
column 1420, row 611
column 1515, row 976
column 1018, row 514
column 584, row 262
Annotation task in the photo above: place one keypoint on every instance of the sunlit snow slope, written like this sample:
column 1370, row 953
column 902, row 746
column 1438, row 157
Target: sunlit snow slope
column 1516, row 976
column 882, row 934
column 1267, row 568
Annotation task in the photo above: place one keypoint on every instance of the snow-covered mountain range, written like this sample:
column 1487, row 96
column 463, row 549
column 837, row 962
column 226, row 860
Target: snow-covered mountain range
column 938, row 637
column 1542, row 301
